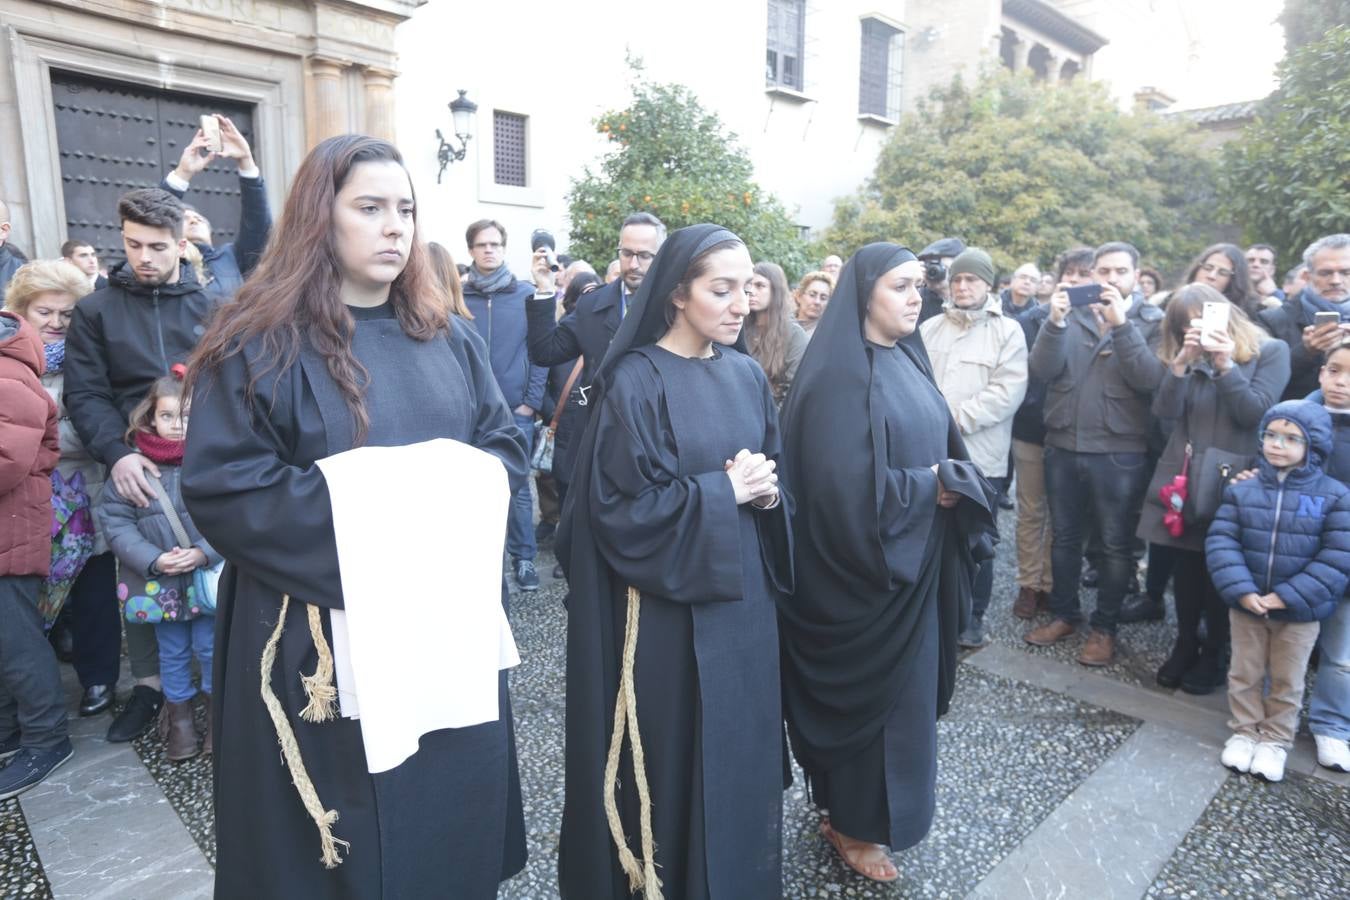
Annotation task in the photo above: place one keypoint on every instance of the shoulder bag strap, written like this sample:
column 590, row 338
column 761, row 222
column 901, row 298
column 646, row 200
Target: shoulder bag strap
column 179, row 532
column 566, row 393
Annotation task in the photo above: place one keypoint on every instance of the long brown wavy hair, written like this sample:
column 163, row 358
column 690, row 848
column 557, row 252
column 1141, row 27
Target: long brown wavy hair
column 294, row 294
column 443, row 265
column 767, row 331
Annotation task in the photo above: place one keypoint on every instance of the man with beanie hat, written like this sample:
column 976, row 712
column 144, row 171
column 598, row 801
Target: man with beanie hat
column 979, row 358
column 1100, row 366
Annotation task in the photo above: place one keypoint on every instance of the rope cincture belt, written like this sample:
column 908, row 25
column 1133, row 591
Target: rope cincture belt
column 625, row 714
column 322, row 707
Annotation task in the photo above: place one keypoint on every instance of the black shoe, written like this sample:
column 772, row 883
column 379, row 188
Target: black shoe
column 1006, row 502
column 1090, row 577
column 543, row 532
column 558, row 571
column 1205, row 677
column 10, row 746
column 29, row 768
column 139, row 713
column 973, row 637
column 527, row 579
column 1177, row 665
column 97, row 698
column 63, row 641
column 1142, row 608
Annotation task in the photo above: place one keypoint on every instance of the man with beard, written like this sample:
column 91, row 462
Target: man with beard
column 122, row 338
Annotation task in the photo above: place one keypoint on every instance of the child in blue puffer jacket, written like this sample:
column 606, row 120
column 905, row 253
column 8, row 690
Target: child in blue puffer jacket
column 1279, row 554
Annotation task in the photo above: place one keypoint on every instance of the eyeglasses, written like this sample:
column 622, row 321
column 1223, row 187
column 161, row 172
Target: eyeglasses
column 487, row 245
column 1216, row 270
column 645, row 255
column 1283, row 440
column 1327, row 273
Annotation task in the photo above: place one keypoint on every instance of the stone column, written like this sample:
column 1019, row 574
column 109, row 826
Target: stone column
column 329, row 113
column 1021, row 52
column 1052, row 63
column 379, row 84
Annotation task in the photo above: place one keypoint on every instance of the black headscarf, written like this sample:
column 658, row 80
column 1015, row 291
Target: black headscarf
column 592, row 658
column 834, row 456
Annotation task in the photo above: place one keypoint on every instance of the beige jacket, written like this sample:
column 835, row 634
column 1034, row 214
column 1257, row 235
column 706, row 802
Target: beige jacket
column 980, row 363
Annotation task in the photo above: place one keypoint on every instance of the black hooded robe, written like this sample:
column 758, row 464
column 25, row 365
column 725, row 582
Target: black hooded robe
column 655, row 510
column 448, row 822
column 883, row 573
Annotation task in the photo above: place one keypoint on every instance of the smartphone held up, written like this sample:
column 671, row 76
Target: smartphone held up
column 1213, row 323
column 1084, row 294
column 211, row 128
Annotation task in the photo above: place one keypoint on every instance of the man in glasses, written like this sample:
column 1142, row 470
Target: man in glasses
column 1317, row 318
column 587, row 330
column 497, row 300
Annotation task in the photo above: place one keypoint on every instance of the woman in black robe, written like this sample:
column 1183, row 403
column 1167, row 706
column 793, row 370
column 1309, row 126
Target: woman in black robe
column 889, row 521
column 678, row 500
column 344, row 289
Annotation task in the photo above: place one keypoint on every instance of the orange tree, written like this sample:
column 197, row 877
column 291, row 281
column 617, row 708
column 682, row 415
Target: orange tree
column 671, row 157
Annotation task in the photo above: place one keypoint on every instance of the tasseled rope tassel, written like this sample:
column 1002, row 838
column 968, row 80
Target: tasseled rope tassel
column 319, row 687
column 323, row 819
column 641, row 876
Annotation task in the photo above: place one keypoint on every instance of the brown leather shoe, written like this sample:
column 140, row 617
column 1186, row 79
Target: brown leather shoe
column 1052, row 632
column 206, row 741
column 1024, row 607
column 181, row 735
column 1099, row 650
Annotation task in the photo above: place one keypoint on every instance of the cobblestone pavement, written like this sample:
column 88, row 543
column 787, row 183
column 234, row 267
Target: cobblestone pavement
column 1019, row 755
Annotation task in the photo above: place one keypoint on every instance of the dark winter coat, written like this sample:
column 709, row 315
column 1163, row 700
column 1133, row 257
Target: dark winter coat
column 1217, row 418
column 1099, row 387
column 499, row 319
column 1289, row 536
column 121, row 339
column 1029, row 422
column 9, row 264
column 231, row 263
column 1287, row 322
column 138, row 536
column 29, row 450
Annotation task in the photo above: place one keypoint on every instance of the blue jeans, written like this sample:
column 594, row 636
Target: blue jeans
column 178, row 641
column 1329, row 715
column 1106, row 491
column 520, row 521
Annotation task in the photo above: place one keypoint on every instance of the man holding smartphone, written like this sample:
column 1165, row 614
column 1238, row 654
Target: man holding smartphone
column 1100, row 367
column 1295, row 321
column 230, row 264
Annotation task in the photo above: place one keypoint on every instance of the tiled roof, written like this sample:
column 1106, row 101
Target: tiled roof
column 1045, row 18
column 1215, row 115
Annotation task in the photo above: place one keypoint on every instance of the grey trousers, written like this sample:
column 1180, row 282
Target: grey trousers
column 31, row 700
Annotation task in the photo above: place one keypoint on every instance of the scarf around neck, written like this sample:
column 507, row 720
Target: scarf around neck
column 56, row 357
column 160, row 450
column 494, row 282
column 1314, row 302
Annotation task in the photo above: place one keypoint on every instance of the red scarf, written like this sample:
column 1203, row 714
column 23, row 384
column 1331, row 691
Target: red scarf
column 160, row 450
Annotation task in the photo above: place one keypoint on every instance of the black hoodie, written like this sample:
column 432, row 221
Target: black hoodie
column 121, row 339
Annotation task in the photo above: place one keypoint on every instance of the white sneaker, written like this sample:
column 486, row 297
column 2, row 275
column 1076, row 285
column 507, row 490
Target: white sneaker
column 1237, row 753
column 1332, row 753
column 1268, row 762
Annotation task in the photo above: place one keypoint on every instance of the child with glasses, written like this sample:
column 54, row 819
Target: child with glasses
column 1279, row 555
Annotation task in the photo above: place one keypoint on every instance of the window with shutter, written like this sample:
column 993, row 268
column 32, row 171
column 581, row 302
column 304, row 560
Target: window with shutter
column 508, row 148
column 880, row 69
column 786, row 41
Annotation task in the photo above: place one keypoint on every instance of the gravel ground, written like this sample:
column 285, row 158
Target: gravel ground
column 1258, row 841
column 20, row 871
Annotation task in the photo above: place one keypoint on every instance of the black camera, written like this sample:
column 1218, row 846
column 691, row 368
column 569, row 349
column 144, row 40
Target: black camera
column 934, row 272
column 543, row 238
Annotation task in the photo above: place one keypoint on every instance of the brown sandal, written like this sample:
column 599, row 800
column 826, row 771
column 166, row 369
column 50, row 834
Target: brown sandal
column 854, row 858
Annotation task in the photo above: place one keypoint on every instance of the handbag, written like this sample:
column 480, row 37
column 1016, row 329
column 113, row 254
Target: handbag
column 205, row 580
column 542, row 458
column 1216, row 467
column 72, row 543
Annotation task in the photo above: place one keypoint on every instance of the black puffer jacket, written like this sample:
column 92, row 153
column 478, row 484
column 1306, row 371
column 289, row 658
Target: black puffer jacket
column 121, row 339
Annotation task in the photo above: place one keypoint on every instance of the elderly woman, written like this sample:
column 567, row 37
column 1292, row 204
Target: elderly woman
column 812, row 294
column 44, row 293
